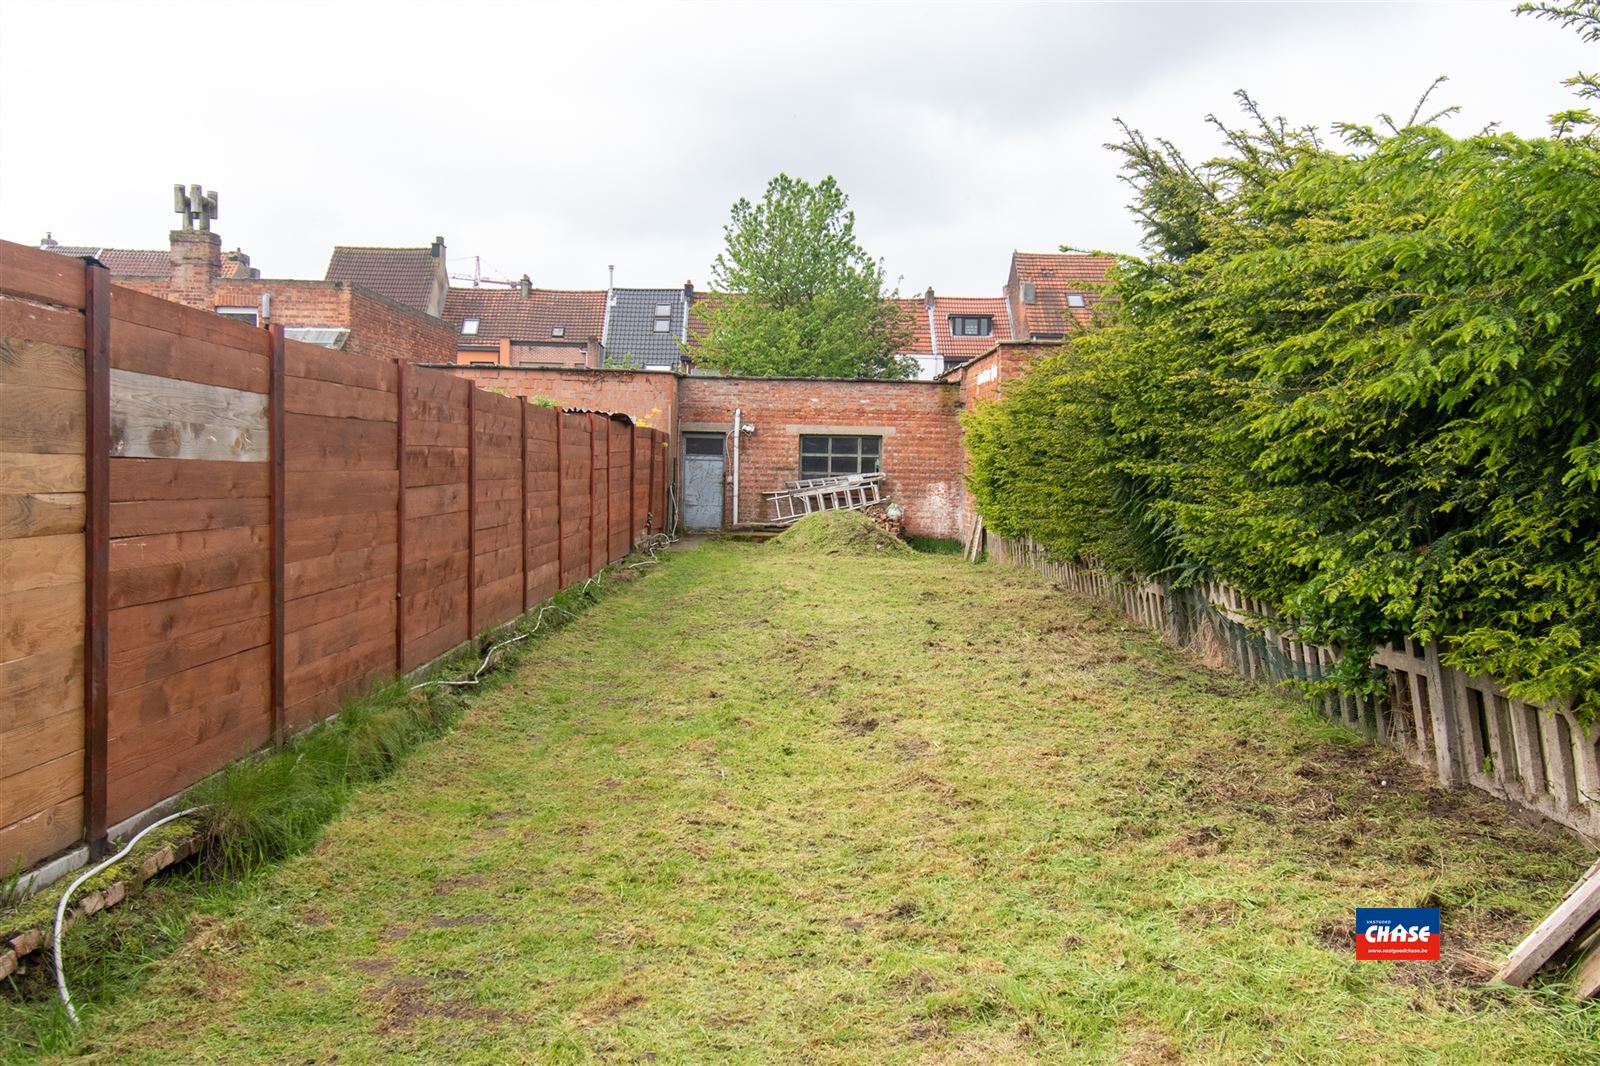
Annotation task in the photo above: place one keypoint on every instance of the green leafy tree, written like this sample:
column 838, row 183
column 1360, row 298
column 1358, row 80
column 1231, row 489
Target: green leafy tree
column 1360, row 382
column 803, row 299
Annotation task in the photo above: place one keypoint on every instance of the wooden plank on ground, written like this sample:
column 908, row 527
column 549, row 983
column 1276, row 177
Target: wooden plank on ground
column 1571, row 915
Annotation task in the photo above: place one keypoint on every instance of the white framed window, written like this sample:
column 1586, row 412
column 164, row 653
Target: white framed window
column 662, row 325
column 241, row 314
column 971, row 325
column 558, row 331
column 469, row 327
column 1074, row 299
column 663, row 310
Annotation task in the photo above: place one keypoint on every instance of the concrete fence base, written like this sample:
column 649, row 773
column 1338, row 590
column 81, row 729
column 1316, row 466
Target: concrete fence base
column 1461, row 727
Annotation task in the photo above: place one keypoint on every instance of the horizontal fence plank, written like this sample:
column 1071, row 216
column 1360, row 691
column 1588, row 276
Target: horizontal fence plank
column 164, row 418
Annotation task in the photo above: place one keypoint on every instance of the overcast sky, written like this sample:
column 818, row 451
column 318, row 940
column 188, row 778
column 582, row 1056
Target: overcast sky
column 555, row 140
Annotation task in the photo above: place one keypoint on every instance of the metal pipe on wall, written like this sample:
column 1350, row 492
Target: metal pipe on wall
column 737, row 417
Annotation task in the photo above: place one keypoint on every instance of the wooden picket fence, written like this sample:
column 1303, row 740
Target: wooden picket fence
column 211, row 537
column 1462, row 727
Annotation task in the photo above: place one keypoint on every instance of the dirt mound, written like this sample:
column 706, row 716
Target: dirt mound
column 839, row 533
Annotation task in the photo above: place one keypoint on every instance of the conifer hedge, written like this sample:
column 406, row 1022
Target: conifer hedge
column 1360, row 382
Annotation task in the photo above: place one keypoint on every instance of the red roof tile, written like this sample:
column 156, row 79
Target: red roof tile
column 507, row 313
column 1054, row 276
column 404, row 275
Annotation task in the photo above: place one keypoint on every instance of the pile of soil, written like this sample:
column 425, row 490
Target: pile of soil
column 839, row 533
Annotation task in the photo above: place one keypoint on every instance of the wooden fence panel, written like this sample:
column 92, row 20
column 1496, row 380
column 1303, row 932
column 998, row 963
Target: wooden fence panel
column 577, row 449
column 42, row 559
column 341, row 551
column 619, row 498
column 599, row 495
column 541, row 493
column 497, row 442
column 189, row 626
column 436, row 534
column 639, row 512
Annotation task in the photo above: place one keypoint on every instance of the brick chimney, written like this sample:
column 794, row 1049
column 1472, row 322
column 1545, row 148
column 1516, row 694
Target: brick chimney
column 525, row 286
column 196, row 265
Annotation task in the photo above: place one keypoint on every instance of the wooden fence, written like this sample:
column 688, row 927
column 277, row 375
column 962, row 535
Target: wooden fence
column 1461, row 727
column 210, row 537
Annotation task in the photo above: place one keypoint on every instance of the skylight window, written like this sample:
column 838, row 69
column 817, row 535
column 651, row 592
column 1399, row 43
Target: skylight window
column 663, row 310
column 558, row 331
column 1074, row 299
column 469, row 327
column 662, row 325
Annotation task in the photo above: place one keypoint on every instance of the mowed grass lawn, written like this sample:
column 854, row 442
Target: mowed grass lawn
column 764, row 806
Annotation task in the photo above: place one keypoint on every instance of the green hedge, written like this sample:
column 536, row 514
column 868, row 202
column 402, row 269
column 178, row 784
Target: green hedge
column 1361, row 383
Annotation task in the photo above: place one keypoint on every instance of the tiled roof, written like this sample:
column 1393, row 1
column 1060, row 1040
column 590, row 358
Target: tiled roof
column 531, row 319
column 123, row 262
column 964, row 347
column 917, row 317
column 404, row 275
column 1054, row 276
column 630, row 327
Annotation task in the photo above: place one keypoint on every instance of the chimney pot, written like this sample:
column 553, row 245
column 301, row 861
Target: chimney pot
column 525, row 286
column 927, row 298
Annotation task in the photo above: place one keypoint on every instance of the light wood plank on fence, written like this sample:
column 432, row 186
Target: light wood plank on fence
column 24, row 473
column 40, row 364
column 40, row 834
column 164, row 418
column 41, row 562
column 40, row 741
column 41, row 420
column 39, row 620
column 34, row 788
column 37, row 322
column 41, row 685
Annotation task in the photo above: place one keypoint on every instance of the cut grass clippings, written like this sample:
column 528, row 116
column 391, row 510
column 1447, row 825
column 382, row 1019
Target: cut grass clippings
column 780, row 806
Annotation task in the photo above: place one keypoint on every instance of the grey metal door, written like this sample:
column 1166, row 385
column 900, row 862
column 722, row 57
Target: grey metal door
column 702, row 480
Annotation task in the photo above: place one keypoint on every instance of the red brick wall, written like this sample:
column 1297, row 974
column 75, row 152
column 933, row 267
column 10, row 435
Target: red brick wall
column 388, row 330
column 650, row 398
column 917, row 420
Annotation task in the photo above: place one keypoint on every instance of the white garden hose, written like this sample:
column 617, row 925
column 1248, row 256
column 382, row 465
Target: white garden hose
column 61, row 908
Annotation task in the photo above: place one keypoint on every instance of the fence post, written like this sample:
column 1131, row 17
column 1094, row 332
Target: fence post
column 472, row 510
column 401, row 418
column 97, row 548
column 522, row 427
column 275, row 439
column 561, row 502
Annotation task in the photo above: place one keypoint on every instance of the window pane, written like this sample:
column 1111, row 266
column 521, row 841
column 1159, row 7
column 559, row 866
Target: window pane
column 846, row 445
column 813, row 445
column 703, row 444
column 813, row 465
column 870, row 464
column 846, row 464
column 871, row 445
